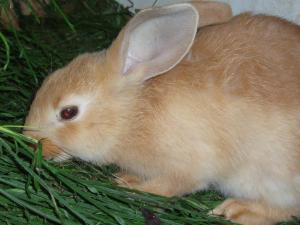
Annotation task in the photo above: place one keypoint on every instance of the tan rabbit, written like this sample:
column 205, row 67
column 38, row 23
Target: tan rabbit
column 225, row 110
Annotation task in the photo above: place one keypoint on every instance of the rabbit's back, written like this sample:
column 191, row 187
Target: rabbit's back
column 256, row 57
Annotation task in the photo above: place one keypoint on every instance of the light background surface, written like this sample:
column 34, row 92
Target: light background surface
column 289, row 9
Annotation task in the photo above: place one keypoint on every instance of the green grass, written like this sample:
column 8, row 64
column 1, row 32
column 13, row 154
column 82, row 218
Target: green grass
column 33, row 191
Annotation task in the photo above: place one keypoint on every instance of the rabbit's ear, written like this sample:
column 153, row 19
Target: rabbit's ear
column 212, row 12
column 154, row 41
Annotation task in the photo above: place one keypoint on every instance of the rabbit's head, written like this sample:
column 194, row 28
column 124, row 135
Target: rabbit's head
column 81, row 109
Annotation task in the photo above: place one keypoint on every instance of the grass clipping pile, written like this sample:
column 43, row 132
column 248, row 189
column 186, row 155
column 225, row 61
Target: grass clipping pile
column 33, row 191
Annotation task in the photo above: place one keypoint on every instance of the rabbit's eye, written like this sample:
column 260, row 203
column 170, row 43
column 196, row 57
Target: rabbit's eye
column 69, row 112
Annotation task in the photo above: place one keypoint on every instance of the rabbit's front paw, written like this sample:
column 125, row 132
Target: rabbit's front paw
column 158, row 185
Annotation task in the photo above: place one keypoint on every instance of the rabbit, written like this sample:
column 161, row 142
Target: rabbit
column 180, row 111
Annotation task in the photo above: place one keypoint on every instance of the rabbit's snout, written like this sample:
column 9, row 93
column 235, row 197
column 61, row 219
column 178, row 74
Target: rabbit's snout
column 49, row 149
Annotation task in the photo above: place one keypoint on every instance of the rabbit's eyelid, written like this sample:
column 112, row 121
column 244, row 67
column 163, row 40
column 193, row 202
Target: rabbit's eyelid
column 81, row 102
column 60, row 119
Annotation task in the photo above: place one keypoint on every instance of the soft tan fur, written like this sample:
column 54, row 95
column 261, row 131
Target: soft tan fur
column 228, row 115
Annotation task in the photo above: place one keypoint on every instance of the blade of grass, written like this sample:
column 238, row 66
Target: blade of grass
column 7, row 50
column 27, row 206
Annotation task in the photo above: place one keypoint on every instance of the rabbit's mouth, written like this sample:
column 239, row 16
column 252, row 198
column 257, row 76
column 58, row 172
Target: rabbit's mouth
column 50, row 150
column 53, row 152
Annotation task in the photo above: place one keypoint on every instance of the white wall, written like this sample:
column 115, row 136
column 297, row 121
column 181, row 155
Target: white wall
column 289, row 9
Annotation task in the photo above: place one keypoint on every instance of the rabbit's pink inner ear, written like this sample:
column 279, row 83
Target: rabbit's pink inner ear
column 155, row 40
